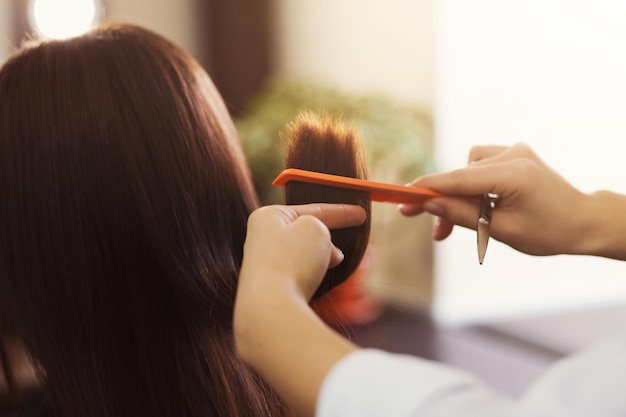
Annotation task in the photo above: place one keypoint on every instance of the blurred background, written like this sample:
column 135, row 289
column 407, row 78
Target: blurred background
column 424, row 80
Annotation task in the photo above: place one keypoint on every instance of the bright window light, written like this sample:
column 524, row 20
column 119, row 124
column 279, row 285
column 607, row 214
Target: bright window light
column 551, row 74
column 59, row 19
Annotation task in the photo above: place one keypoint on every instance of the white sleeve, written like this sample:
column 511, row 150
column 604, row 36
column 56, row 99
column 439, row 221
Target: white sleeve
column 371, row 382
column 590, row 383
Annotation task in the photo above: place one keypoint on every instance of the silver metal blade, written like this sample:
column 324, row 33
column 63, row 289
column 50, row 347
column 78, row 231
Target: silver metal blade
column 482, row 231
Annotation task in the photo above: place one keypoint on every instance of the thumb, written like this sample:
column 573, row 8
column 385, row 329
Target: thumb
column 336, row 257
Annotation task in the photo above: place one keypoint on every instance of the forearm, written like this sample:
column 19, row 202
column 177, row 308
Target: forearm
column 289, row 346
column 603, row 226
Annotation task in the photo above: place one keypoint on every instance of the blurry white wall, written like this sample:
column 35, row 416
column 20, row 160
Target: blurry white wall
column 174, row 19
column 363, row 45
column 6, row 45
column 551, row 74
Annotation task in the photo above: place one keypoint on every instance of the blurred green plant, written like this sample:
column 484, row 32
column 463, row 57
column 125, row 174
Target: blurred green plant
column 397, row 137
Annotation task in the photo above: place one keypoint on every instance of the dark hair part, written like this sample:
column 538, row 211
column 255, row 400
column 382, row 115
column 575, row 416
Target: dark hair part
column 124, row 204
column 326, row 145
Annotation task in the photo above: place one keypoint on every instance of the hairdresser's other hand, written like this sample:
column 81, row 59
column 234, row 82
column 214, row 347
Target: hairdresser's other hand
column 538, row 213
column 292, row 243
column 286, row 254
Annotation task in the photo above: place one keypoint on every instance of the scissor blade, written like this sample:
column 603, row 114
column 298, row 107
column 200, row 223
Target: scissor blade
column 483, row 238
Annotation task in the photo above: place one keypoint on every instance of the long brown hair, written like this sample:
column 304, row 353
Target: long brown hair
column 321, row 143
column 124, row 204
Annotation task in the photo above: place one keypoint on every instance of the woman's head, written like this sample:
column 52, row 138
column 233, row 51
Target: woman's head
column 124, row 204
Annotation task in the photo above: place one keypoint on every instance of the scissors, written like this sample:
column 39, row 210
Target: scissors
column 487, row 204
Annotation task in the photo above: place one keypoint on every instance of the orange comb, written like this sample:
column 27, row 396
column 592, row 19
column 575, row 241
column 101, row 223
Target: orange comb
column 379, row 191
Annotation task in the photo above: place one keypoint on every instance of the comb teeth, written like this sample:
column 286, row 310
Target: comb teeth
column 329, row 146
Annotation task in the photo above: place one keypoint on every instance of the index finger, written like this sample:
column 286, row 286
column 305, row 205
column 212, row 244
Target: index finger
column 334, row 216
column 473, row 180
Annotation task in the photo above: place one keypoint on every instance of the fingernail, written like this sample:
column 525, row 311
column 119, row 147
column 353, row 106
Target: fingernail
column 433, row 208
column 435, row 227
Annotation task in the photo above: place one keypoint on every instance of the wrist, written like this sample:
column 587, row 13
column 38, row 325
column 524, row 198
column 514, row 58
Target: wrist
column 256, row 311
column 277, row 333
column 602, row 226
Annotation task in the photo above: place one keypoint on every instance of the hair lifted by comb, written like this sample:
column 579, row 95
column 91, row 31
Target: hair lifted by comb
column 330, row 146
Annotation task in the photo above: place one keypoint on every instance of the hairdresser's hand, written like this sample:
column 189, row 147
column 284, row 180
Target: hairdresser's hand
column 290, row 246
column 538, row 213
column 286, row 255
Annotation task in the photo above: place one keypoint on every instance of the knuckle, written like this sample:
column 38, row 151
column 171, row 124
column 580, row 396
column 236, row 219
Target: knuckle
column 256, row 213
column 259, row 213
column 523, row 149
column 474, row 153
column 521, row 168
column 312, row 227
column 457, row 177
column 315, row 226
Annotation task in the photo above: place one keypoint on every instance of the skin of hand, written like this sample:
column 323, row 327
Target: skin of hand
column 286, row 254
column 538, row 213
